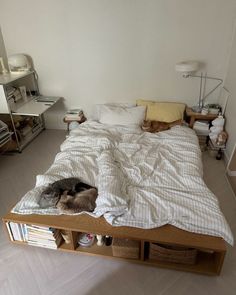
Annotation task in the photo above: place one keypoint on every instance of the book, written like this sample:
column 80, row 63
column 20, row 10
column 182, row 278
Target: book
column 25, row 232
column 34, row 235
column 202, row 122
column 46, row 237
column 40, row 228
column 75, row 117
column 201, row 127
column 15, row 231
column 75, row 112
column 9, row 231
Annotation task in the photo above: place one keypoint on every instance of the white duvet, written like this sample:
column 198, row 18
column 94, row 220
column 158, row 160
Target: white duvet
column 144, row 180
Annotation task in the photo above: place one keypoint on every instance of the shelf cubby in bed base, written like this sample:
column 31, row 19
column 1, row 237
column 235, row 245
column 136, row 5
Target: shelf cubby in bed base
column 206, row 264
column 211, row 250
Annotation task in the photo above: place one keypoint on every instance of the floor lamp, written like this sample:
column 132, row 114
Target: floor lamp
column 187, row 68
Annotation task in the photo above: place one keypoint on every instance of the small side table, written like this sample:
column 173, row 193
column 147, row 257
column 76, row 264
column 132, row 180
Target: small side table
column 198, row 116
column 68, row 121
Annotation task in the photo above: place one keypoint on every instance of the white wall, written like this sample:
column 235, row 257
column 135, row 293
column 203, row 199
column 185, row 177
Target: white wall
column 92, row 51
column 3, row 52
column 230, row 84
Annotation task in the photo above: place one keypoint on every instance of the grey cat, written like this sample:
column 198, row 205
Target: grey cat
column 51, row 195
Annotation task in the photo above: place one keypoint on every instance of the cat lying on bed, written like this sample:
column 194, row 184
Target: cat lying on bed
column 157, row 126
column 69, row 195
column 82, row 201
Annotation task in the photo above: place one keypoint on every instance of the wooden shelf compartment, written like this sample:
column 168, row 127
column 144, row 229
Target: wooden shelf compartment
column 211, row 250
column 166, row 234
column 96, row 250
column 205, row 264
column 208, row 262
column 93, row 249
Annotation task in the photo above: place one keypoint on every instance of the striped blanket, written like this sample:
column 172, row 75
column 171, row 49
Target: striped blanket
column 144, row 180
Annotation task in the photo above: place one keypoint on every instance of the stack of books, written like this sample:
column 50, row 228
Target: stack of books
column 17, row 231
column 75, row 115
column 201, row 127
column 13, row 93
column 10, row 92
column 202, row 130
column 35, row 235
column 41, row 236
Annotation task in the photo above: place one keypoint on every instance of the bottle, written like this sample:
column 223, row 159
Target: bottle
column 108, row 240
column 99, row 240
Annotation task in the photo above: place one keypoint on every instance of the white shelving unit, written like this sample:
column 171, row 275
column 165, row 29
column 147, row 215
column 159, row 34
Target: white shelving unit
column 30, row 108
column 5, row 135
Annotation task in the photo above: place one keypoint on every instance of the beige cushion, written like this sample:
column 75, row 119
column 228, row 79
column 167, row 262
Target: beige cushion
column 163, row 111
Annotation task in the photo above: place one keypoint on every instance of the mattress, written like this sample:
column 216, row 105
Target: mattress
column 144, row 180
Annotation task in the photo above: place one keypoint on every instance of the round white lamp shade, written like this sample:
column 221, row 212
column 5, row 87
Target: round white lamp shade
column 19, row 63
column 187, row 67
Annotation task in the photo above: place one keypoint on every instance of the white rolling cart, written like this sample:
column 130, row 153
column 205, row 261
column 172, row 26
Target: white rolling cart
column 20, row 98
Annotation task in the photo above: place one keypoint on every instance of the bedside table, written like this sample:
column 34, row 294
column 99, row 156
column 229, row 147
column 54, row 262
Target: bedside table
column 198, row 116
column 68, row 121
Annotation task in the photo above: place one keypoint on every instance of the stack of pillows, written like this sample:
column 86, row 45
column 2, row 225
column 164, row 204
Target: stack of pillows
column 129, row 114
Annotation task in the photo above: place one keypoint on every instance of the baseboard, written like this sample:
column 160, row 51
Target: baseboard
column 231, row 172
column 232, row 184
column 226, row 158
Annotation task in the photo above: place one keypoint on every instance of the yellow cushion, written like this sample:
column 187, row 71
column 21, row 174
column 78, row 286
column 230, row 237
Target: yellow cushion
column 163, row 111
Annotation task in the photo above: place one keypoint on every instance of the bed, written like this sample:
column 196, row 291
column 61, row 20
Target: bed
column 150, row 188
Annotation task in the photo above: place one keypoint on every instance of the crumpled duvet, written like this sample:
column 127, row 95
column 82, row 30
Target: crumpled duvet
column 144, row 179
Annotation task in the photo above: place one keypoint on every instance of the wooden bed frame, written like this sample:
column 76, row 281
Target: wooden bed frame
column 210, row 250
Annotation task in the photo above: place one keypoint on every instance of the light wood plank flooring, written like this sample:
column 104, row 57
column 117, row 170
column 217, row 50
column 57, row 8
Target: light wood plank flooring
column 29, row 270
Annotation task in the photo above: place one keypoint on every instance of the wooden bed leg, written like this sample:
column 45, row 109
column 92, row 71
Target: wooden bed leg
column 219, row 256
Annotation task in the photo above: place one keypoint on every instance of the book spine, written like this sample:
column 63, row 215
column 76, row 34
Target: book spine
column 35, row 229
column 25, row 232
column 54, row 247
column 15, row 231
column 19, row 226
column 9, row 231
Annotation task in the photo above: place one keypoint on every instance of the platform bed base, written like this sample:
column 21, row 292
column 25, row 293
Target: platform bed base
column 210, row 251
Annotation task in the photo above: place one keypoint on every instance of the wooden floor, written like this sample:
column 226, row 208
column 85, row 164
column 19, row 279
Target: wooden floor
column 28, row 270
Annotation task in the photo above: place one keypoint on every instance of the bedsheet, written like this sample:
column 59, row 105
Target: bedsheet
column 144, row 180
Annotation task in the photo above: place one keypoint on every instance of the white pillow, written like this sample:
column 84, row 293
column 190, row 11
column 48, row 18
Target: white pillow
column 97, row 108
column 114, row 115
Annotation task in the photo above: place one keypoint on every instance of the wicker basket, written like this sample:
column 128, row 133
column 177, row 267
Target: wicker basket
column 125, row 248
column 172, row 254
